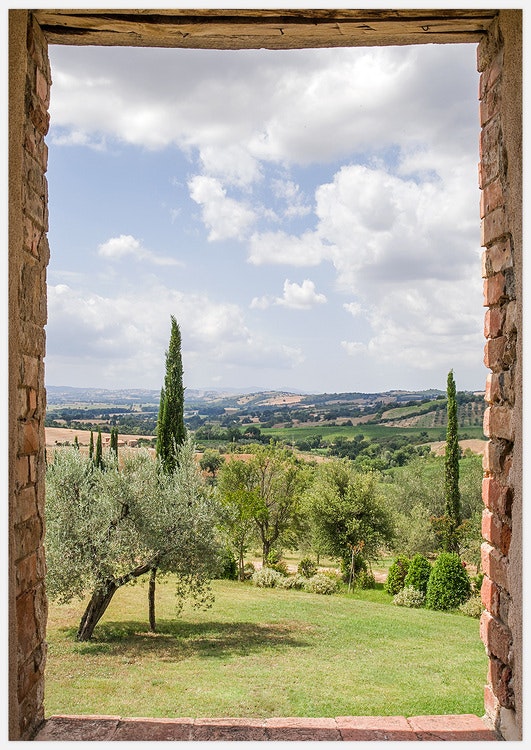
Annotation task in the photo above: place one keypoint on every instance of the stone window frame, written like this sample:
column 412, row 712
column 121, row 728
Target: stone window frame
column 499, row 37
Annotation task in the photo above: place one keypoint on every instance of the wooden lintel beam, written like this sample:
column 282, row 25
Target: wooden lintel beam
column 271, row 29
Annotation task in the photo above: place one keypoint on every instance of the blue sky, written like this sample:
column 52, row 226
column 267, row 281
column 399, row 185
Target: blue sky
column 309, row 217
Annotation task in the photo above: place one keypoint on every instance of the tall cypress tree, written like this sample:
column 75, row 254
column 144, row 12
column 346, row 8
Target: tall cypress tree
column 114, row 440
column 170, row 425
column 451, row 466
column 170, row 428
column 98, row 457
column 91, row 445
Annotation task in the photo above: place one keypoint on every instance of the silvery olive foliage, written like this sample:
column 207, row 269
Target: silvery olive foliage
column 104, row 528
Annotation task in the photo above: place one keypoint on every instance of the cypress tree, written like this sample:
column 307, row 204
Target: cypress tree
column 171, row 431
column 91, row 445
column 114, row 440
column 170, row 425
column 98, row 458
column 451, row 466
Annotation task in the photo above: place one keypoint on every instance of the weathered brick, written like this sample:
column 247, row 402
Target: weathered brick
column 493, row 353
column 30, row 371
column 493, row 290
column 492, row 706
column 31, row 671
column 26, row 573
column 28, row 537
column 494, row 456
column 498, row 422
column 494, row 226
column 496, row 637
column 491, row 198
column 511, row 317
column 489, row 140
column 28, row 437
column 489, row 105
column 492, row 388
column 42, row 87
column 490, row 596
column 497, row 497
column 26, row 628
column 26, row 504
column 494, row 319
column 490, row 62
column 496, row 258
column 23, row 471
column 495, row 531
column 501, row 679
column 495, row 565
column 491, row 461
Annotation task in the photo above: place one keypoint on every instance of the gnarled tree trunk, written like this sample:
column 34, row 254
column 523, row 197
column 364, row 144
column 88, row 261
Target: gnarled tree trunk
column 99, row 601
column 101, row 598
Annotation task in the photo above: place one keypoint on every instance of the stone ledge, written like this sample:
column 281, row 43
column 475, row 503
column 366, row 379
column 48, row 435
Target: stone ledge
column 448, row 728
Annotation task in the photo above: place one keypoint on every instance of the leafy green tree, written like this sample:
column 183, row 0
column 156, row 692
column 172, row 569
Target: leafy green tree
column 107, row 528
column 279, row 480
column 346, row 512
column 211, row 461
column 451, row 466
column 171, row 430
column 238, row 494
column 269, row 487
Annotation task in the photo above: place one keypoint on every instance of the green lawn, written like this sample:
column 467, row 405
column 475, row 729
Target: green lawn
column 263, row 653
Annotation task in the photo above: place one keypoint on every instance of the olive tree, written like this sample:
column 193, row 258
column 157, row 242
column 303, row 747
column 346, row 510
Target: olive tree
column 108, row 527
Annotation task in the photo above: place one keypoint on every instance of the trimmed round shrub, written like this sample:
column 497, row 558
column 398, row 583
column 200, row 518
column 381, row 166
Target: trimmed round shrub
column 292, row 582
column 449, row 584
column 418, row 573
column 321, row 584
column 265, row 578
column 409, row 597
column 397, row 574
column 307, row 567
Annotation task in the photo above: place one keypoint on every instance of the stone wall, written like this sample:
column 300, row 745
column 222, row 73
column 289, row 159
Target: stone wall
column 500, row 176
column 29, row 253
column 500, row 209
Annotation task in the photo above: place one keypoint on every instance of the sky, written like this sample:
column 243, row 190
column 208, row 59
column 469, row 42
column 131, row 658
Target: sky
column 310, row 218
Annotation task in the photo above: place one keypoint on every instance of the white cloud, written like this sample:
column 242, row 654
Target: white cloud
column 290, row 107
column 354, row 308
column 123, row 338
column 289, row 192
column 124, row 245
column 233, row 164
column 225, row 217
column 295, row 297
column 300, row 296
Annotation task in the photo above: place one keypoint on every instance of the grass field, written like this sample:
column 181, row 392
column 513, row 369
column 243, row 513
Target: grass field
column 263, row 653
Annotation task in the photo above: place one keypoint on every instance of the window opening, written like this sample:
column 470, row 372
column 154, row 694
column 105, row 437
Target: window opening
column 315, row 259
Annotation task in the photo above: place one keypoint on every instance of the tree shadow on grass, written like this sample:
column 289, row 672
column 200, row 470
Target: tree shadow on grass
column 175, row 641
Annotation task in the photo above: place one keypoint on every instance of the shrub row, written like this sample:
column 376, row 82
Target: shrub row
column 442, row 586
column 320, row 583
